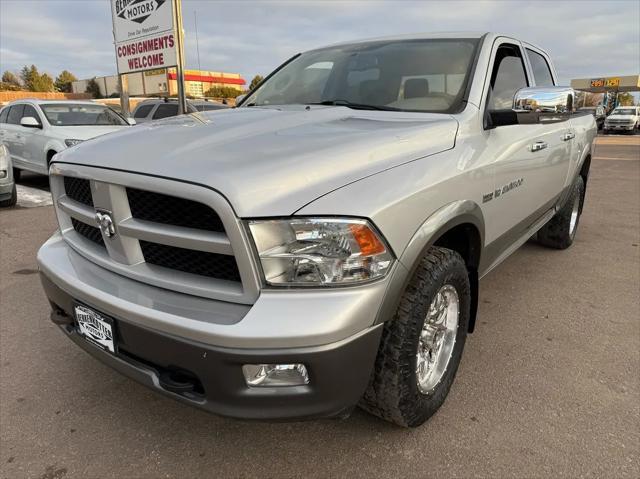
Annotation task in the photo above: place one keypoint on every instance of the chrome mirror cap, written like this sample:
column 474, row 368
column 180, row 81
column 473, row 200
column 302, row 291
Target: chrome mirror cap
column 544, row 104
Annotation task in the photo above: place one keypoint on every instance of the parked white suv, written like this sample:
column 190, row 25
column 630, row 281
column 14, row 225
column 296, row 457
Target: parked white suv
column 623, row 118
column 35, row 130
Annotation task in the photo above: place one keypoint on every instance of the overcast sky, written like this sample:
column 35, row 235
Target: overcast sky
column 584, row 38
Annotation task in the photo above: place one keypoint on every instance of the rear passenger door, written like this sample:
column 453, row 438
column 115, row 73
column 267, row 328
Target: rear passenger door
column 12, row 138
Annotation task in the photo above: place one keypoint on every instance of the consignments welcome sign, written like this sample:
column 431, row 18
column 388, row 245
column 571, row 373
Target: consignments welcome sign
column 144, row 34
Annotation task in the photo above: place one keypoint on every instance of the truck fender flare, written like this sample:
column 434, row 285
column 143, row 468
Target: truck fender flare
column 444, row 219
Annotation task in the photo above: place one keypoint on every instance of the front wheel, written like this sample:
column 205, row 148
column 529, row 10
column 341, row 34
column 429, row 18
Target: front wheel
column 560, row 231
column 17, row 172
column 421, row 346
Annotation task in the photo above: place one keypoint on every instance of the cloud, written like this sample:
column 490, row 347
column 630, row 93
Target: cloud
column 585, row 38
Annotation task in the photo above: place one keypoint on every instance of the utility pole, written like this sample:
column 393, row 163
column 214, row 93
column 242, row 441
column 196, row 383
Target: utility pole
column 177, row 20
column 124, row 95
column 195, row 19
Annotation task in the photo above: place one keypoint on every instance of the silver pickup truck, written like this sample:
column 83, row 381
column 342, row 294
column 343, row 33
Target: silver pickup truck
column 320, row 246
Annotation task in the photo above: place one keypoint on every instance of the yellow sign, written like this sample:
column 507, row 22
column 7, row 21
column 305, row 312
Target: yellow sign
column 597, row 82
column 612, row 82
column 159, row 71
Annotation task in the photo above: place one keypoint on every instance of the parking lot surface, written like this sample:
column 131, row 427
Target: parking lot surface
column 548, row 385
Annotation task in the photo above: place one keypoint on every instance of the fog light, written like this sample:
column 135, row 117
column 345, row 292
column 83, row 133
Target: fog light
column 3, row 173
column 275, row 375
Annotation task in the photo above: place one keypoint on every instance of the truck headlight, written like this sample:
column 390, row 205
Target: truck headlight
column 319, row 251
column 71, row 142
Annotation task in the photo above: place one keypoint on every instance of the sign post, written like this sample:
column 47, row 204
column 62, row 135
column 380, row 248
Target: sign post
column 182, row 97
column 148, row 35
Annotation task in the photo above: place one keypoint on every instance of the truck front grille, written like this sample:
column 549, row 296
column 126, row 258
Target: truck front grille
column 90, row 232
column 78, row 189
column 202, row 263
column 170, row 210
column 188, row 241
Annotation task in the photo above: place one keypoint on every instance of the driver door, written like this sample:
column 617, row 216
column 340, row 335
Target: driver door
column 530, row 162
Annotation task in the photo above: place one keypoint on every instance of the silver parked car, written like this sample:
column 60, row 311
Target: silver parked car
column 8, row 192
column 160, row 108
column 35, row 130
column 321, row 245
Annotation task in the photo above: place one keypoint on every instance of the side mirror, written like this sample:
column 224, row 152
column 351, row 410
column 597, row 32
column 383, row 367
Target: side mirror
column 131, row 121
column 30, row 122
column 536, row 105
column 239, row 98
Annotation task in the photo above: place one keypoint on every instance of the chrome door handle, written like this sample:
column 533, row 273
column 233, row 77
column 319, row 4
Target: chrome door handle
column 568, row 136
column 539, row 145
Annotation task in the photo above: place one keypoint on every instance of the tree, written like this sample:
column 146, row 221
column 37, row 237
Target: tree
column 34, row 81
column 93, row 88
column 254, row 83
column 625, row 99
column 222, row 92
column 10, row 78
column 9, row 87
column 64, row 80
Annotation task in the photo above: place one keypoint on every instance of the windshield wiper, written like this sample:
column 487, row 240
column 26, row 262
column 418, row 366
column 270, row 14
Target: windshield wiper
column 355, row 106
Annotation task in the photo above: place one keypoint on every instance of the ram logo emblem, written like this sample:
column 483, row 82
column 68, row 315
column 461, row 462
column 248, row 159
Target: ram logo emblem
column 105, row 223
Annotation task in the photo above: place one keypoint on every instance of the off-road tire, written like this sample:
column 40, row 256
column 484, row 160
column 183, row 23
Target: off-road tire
column 12, row 200
column 393, row 393
column 557, row 232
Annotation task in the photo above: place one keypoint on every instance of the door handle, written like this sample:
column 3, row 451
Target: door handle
column 568, row 136
column 539, row 145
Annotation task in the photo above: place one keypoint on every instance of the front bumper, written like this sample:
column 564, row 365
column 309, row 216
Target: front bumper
column 157, row 333
column 623, row 127
column 6, row 189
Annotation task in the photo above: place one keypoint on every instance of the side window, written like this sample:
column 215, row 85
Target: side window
column 541, row 70
column 31, row 111
column 166, row 110
column 143, row 111
column 507, row 77
column 15, row 114
column 3, row 115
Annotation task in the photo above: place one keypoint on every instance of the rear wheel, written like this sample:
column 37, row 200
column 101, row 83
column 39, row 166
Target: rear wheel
column 560, row 231
column 422, row 345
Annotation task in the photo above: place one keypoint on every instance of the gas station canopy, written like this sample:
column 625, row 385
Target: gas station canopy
column 607, row 84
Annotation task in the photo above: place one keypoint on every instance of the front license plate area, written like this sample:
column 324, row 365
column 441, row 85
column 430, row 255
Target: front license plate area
column 95, row 328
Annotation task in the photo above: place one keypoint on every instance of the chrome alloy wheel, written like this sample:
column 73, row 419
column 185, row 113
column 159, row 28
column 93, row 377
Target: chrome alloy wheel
column 437, row 338
column 574, row 215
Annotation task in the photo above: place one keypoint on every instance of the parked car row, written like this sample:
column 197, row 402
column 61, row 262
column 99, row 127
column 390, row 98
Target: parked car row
column 622, row 118
column 34, row 130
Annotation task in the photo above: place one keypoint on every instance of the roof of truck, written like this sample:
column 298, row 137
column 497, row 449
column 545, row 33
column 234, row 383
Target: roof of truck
column 417, row 36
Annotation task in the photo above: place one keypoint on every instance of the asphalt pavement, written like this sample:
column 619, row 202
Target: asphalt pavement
column 549, row 384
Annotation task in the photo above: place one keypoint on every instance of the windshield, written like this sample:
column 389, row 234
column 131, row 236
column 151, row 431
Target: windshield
column 408, row 75
column 624, row 111
column 62, row 114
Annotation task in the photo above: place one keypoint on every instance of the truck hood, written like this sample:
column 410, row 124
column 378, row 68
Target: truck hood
column 271, row 161
column 84, row 132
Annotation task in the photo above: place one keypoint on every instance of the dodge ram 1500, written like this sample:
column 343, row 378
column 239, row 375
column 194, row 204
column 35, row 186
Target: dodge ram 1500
column 320, row 246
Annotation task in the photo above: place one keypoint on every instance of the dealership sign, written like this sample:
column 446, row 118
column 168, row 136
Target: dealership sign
column 144, row 34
